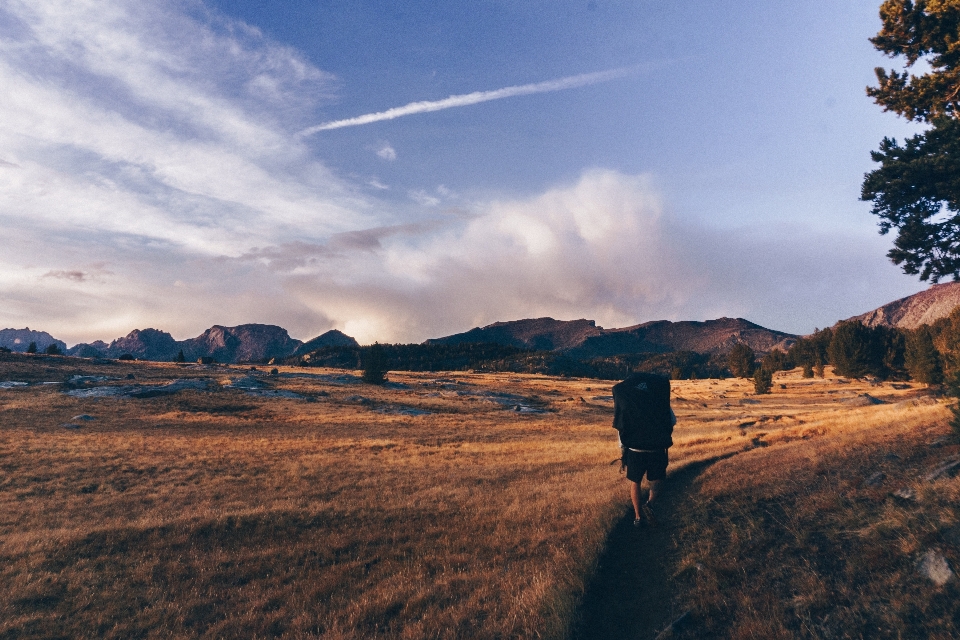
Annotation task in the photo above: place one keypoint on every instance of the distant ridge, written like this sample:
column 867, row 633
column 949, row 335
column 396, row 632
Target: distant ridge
column 920, row 308
column 584, row 339
column 243, row 343
column 20, row 339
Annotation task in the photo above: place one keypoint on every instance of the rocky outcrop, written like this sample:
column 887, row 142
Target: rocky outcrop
column 144, row 344
column 920, row 308
column 243, row 343
column 332, row 338
column 93, row 350
column 584, row 339
column 20, row 339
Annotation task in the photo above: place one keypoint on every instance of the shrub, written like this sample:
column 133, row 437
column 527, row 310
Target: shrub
column 125, row 356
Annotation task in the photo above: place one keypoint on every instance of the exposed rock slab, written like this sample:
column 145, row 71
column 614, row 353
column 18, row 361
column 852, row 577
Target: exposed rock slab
column 920, row 308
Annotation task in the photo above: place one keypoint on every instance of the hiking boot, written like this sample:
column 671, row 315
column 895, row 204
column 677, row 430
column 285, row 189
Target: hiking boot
column 647, row 512
column 638, row 522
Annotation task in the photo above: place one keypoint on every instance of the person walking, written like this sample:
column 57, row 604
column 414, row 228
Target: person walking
column 644, row 421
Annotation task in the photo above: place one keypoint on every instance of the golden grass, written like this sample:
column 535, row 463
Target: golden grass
column 805, row 538
column 221, row 514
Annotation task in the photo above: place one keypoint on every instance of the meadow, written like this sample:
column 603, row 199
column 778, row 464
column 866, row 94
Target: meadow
column 236, row 503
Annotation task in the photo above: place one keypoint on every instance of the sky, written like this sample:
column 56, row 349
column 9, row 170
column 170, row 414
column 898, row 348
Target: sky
column 402, row 171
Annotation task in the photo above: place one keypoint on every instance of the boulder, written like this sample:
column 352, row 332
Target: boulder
column 935, row 567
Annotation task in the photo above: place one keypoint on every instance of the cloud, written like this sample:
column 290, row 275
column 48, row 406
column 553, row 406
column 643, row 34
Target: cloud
column 604, row 247
column 387, row 152
column 143, row 120
column 468, row 99
column 76, row 276
column 159, row 139
column 423, row 198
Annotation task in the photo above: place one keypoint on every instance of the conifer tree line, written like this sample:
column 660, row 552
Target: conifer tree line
column 929, row 354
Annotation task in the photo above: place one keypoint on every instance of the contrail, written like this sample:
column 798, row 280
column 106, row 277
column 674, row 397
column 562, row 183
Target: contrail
column 476, row 97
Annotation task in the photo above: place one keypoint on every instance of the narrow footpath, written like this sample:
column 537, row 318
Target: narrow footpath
column 630, row 596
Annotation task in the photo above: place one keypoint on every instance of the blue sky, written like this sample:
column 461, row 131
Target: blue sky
column 154, row 170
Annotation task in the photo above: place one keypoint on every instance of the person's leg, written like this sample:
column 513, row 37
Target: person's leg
column 654, row 489
column 635, row 497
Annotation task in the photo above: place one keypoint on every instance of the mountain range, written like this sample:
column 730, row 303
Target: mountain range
column 243, row 343
column 580, row 339
column 584, row 339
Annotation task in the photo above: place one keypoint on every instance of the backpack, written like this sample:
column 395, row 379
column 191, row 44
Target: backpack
column 641, row 412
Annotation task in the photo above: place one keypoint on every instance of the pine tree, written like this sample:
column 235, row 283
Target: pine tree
column 921, row 357
column 762, row 380
column 375, row 365
column 953, row 388
column 741, row 360
column 856, row 350
column 776, row 360
column 32, row 347
column 180, row 357
column 915, row 188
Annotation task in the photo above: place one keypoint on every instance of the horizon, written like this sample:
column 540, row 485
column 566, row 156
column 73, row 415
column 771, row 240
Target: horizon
column 400, row 173
column 457, row 332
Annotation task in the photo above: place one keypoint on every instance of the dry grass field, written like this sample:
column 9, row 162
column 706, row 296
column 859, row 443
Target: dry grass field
column 235, row 503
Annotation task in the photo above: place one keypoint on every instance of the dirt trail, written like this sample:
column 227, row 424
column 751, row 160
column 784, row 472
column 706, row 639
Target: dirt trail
column 631, row 593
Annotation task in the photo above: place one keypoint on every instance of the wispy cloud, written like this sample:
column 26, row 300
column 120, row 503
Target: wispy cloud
column 386, row 152
column 139, row 119
column 158, row 137
column 467, row 99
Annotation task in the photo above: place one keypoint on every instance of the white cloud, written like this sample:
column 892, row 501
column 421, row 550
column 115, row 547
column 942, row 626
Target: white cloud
column 387, row 152
column 476, row 97
column 151, row 175
column 136, row 119
column 602, row 248
column 421, row 197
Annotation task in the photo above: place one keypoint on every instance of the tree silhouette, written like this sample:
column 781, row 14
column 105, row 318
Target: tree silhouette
column 375, row 365
column 916, row 189
column 741, row 360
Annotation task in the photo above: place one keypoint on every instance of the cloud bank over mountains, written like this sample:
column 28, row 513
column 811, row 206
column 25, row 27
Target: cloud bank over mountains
column 151, row 175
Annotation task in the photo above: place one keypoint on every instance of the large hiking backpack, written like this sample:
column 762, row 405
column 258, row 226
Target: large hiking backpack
column 641, row 412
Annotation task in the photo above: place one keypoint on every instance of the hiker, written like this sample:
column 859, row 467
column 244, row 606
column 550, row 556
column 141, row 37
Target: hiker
column 644, row 420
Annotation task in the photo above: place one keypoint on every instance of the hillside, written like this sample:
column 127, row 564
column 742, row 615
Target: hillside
column 584, row 339
column 920, row 308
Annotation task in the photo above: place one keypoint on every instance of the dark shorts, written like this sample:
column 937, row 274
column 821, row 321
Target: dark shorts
column 652, row 463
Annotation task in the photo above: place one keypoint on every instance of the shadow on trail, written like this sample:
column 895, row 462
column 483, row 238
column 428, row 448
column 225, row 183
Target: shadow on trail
column 630, row 594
